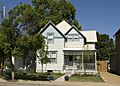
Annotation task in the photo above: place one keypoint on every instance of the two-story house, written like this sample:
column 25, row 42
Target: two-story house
column 68, row 48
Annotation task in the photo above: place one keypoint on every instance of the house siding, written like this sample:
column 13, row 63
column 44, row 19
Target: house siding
column 56, row 46
column 115, row 59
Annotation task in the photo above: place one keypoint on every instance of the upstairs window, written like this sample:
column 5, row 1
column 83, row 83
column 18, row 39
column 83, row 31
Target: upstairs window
column 76, row 37
column 50, row 38
column 73, row 37
column 70, row 38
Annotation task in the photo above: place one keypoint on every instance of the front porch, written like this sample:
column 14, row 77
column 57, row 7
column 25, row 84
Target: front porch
column 76, row 62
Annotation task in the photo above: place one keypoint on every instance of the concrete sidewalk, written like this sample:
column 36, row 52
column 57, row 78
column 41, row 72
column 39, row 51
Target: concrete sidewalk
column 2, row 80
column 48, row 83
column 52, row 83
column 61, row 79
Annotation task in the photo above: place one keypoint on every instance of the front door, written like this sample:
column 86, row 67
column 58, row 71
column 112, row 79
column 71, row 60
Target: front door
column 70, row 63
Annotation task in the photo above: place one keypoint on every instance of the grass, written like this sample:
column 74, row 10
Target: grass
column 56, row 75
column 91, row 78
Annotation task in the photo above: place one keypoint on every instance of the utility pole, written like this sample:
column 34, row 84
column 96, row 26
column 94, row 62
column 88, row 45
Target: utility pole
column 2, row 12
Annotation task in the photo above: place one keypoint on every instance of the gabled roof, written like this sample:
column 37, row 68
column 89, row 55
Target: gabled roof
column 91, row 36
column 116, row 33
column 47, row 25
column 63, row 26
column 73, row 27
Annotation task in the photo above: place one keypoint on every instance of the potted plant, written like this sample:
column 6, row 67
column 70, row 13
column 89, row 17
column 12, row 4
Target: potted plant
column 66, row 78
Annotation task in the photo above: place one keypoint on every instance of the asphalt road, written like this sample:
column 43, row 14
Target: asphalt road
column 27, row 84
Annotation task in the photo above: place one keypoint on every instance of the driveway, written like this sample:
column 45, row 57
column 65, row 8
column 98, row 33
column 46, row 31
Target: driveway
column 110, row 78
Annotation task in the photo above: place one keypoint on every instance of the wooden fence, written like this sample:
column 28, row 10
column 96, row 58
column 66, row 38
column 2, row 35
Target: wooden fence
column 102, row 66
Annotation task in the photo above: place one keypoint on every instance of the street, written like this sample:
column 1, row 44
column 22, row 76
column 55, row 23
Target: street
column 44, row 83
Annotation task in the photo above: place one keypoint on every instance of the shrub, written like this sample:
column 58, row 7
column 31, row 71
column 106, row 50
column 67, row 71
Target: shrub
column 28, row 76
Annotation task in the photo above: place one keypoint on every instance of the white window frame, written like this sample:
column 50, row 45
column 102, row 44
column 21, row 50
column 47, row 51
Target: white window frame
column 73, row 37
column 54, row 56
column 50, row 39
column 76, row 37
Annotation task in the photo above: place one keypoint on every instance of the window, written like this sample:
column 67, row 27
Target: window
column 73, row 37
column 50, row 38
column 70, row 58
column 53, row 56
column 76, row 37
column 78, row 59
column 70, row 38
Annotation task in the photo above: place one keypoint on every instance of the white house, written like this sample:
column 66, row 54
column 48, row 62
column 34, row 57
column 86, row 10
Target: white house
column 67, row 46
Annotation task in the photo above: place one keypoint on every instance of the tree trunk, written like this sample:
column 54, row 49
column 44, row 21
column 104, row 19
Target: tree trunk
column 2, row 65
column 12, row 67
column 42, row 67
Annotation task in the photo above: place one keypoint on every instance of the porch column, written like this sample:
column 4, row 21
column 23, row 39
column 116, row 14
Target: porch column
column 82, row 61
column 95, row 62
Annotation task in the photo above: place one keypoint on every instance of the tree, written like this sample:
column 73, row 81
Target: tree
column 54, row 10
column 43, row 55
column 31, row 43
column 2, row 54
column 34, row 17
column 105, row 47
column 11, row 40
column 8, row 40
column 87, row 57
column 15, row 44
column 75, row 22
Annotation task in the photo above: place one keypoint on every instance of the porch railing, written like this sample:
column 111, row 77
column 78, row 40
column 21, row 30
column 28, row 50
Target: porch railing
column 80, row 66
column 89, row 66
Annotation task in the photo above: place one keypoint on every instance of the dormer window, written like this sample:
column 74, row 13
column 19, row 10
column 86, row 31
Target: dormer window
column 50, row 38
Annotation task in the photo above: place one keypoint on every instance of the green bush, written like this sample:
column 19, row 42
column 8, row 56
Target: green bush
column 28, row 76
column 7, row 74
column 32, row 76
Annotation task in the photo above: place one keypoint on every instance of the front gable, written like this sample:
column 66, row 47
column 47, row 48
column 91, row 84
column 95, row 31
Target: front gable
column 74, row 31
column 51, row 29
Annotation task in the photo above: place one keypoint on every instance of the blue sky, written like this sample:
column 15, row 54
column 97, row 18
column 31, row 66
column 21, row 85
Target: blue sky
column 100, row 15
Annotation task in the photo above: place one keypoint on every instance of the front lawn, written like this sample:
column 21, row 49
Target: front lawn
column 91, row 78
column 56, row 75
